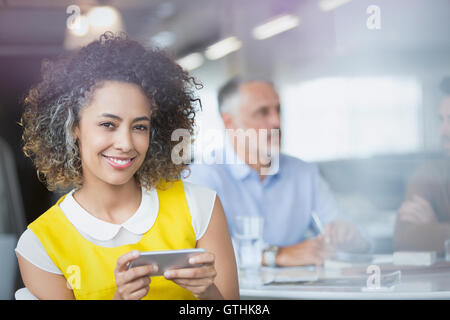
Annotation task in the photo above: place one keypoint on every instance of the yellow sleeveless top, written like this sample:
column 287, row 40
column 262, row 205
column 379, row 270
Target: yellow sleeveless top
column 89, row 268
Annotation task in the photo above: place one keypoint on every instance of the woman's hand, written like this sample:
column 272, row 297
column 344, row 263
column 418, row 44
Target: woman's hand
column 134, row 283
column 198, row 280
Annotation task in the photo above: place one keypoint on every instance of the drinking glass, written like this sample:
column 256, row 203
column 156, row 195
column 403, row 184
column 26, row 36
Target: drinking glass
column 447, row 250
column 248, row 233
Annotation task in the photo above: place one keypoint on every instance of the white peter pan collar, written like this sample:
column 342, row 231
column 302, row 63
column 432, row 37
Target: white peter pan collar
column 142, row 220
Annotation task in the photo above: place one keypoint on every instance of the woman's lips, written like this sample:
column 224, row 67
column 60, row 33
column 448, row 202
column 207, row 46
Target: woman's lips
column 119, row 163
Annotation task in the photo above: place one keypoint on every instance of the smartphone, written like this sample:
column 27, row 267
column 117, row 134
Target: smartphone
column 167, row 259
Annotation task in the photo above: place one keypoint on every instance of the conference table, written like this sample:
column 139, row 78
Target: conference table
column 378, row 279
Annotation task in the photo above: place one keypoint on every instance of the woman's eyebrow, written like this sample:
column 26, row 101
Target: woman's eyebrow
column 109, row 115
column 113, row 116
column 144, row 118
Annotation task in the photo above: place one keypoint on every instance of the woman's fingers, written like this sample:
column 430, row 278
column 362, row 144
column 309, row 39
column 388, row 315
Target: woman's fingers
column 206, row 270
column 191, row 273
column 132, row 283
column 139, row 294
column 137, row 284
column 135, row 289
column 193, row 282
column 206, row 257
column 138, row 272
column 134, row 273
column 198, row 280
column 124, row 260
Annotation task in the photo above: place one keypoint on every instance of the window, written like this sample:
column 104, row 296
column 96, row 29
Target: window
column 332, row 118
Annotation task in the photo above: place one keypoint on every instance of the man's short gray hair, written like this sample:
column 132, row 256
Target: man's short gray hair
column 228, row 97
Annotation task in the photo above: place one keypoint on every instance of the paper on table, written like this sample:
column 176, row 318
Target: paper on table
column 346, row 259
column 387, row 281
column 353, row 257
column 289, row 275
column 414, row 258
column 382, row 258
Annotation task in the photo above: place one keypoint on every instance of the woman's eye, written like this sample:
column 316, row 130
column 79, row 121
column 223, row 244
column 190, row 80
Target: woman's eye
column 108, row 125
column 141, row 128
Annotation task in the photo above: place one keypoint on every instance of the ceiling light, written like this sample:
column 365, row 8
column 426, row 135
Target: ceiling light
column 222, row 48
column 328, row 5
column 80, row 26
column 97, row 21
column 103, row 16
column 275, row 26
column 163, row 39
column 191, row 61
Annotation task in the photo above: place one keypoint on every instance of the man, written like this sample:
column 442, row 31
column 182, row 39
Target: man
column 423, row 220
column 282, row 189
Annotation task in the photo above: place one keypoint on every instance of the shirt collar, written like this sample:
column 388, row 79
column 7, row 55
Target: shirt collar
column 142, row 220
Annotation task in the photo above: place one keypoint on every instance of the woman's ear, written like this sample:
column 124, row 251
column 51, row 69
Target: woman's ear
column 75, row 133
column 153, row 110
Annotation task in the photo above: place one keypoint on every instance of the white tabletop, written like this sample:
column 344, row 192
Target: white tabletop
column 338, row 282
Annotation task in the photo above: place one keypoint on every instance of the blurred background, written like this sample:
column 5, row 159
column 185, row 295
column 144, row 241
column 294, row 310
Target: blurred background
column 358, row 81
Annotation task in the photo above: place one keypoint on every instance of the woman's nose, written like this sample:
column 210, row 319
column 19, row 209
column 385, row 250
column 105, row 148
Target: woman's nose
column 124, row 141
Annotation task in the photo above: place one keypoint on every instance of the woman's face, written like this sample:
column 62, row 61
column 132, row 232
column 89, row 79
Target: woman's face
column 114, row 133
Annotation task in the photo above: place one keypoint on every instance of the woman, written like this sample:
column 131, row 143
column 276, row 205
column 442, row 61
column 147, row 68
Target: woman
column 100, row 123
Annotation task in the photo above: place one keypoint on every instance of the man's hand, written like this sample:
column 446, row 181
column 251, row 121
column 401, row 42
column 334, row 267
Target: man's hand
column 311, row 251
column 343, row 235
column 417, row 211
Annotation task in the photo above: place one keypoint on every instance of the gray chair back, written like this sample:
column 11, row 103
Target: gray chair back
column 12, row 222
column 8, row 266
column 12, row 216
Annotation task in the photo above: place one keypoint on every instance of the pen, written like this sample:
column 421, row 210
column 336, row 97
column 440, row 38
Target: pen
column 317, row 222
column 319, row 225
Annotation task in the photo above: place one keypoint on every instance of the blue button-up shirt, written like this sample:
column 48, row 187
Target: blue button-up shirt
column 285, row 199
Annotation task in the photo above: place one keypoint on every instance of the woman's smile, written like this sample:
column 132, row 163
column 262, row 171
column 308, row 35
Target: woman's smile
column 119, row 162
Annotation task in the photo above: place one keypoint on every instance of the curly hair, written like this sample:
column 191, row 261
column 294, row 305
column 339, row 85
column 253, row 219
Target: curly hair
column 52, row 107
